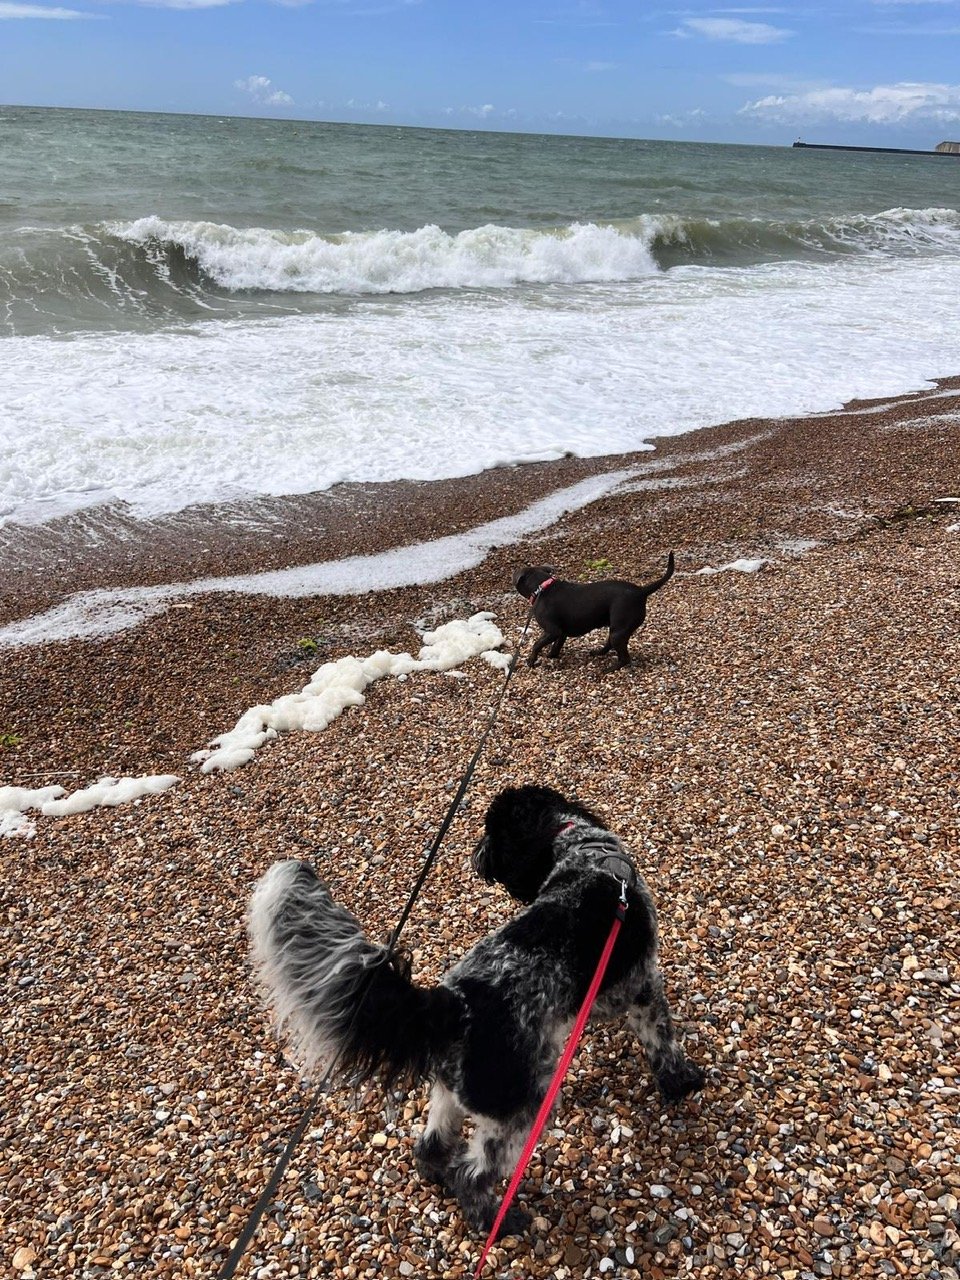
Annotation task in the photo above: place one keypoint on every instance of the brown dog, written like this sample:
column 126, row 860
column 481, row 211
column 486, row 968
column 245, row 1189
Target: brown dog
column 573, row 608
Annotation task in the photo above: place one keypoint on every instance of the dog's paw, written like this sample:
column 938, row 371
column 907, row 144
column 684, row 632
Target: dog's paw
column 433, row 1162
column 675, row 1082
column 515, row 1223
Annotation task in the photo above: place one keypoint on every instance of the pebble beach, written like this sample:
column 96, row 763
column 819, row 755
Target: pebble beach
column 781, row 758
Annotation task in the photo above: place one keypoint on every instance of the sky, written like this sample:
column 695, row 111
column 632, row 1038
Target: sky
column 867, row 72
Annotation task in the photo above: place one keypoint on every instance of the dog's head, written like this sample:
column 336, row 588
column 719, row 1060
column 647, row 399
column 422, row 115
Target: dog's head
column 527, row 580
column 522, row 825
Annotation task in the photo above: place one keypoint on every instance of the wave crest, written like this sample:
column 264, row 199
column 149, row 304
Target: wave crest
column 260, row 259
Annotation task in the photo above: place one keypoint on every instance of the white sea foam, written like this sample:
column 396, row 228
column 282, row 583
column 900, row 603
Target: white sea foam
column 14, row 804
column 53, row 801
column 341, row 684
column 400, row 261
column 452, row 383
column 109, row 792
column 93, row 614
column 743, row 565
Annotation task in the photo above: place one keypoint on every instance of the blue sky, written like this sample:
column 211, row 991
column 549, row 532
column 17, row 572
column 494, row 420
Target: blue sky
column 883, row 72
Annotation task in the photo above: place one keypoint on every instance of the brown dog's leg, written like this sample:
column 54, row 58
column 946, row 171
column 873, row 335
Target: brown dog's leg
column 544, row 640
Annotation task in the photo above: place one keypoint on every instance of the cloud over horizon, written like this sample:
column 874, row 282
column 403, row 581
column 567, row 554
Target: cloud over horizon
column 11, row 11
column 263, row 92
column 732, row 29
column 883, row 104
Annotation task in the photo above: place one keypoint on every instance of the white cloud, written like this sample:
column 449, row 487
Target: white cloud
column 181, row 4
column 732, row 29
column 601, row 66
column 11, row 11
column 884, row 104
column 683, row 119
column 379, row 105
column 263, row 92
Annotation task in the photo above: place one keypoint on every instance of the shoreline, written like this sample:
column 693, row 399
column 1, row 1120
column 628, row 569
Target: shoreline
column 780, row 758
column 104, row 547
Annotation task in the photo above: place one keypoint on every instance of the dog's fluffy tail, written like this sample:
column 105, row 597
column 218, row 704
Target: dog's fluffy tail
column 661, row 582
column 337, row 995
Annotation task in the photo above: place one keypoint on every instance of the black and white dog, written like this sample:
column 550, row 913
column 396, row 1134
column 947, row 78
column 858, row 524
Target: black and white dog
column 489, row 1034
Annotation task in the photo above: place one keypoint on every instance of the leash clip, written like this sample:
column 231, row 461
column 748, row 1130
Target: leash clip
column 623, row 892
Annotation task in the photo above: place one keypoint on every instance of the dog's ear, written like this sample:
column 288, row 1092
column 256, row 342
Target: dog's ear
column 482, row 860
column 522, row 824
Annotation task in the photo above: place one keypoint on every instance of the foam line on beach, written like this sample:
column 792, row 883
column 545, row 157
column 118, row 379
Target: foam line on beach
column 337, row 685
column 54, row 802
column 332, row 687
column 743, row 565
column 93, row 615
column 906, row 399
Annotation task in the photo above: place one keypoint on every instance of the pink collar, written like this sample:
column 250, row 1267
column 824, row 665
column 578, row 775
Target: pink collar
column 542, row 587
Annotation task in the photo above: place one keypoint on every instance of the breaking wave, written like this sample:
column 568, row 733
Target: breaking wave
column 152, row 268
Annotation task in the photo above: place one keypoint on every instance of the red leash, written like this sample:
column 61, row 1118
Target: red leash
column 557, row 1081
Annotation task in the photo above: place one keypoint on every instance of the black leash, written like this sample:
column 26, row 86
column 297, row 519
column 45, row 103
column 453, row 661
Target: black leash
column 259, row 1209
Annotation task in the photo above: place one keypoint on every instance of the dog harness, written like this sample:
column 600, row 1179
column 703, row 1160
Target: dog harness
column 630, row 878
column 540, row 590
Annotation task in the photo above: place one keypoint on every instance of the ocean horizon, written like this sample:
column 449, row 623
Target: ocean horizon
column 205, row 309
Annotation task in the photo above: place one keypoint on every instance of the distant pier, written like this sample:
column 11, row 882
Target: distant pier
column 944, row 149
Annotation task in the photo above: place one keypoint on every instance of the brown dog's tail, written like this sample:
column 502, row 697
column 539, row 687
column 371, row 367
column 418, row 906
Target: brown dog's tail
column 660, row 582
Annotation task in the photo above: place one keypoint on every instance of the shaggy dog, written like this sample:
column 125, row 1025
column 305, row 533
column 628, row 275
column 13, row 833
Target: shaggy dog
column 489, row 1035
column 573, row 608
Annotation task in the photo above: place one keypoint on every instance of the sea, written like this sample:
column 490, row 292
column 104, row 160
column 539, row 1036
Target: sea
column 202, row 309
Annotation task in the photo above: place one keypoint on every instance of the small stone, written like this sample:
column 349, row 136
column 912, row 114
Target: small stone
column 663, row 1235
column 659, row 1191
column 24, row 1257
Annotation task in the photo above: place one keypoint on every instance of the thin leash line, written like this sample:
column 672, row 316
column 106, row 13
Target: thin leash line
column 256, row 1213
column 550, row 1097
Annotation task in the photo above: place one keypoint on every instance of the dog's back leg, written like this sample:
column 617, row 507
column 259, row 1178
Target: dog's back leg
column 440, row 1141
column 492, row 1154
column 649, row 1018
column 624, row 621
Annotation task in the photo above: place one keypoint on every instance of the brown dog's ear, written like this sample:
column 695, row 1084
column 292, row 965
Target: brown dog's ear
column 516, row 578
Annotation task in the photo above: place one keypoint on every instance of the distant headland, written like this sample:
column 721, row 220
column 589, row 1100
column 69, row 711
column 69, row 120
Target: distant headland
column 941, row 149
